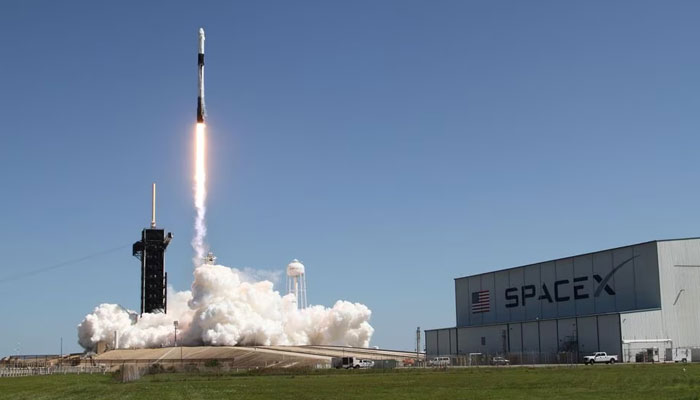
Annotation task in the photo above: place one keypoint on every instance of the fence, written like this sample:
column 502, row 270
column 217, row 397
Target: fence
column 513, row 358
column 31, row 371
column 210, row 364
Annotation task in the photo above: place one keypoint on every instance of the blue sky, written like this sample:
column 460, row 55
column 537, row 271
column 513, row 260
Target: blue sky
column 390, row 145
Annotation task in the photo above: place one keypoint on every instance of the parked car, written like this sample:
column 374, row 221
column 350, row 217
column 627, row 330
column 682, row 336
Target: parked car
column 500, row 361
column 600, row 357
column 439, row 362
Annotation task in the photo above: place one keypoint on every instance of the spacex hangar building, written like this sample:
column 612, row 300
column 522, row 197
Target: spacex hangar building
column 641, row 302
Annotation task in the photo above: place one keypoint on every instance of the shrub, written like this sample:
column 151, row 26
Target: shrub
column 155, row 369
column 191, row 367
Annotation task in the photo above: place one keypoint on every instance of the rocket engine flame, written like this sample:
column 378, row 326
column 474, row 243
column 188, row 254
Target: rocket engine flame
column 200, row 195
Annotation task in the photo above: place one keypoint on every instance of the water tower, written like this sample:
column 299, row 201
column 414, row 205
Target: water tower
column 296, row 282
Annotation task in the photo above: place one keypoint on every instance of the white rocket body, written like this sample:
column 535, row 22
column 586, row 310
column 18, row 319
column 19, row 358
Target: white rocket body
column 201, row 112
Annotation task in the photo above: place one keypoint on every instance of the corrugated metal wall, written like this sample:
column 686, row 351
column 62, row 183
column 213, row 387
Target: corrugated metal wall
column 441, row 342
column 574, row 335
column 549, row 342
column 515, row 339
column 680, row 291
column 587, row 334
column 609, row 334
column 617, row 280
column 431, row 342
column 444, row 341
column 643, row 325
column 531, row 336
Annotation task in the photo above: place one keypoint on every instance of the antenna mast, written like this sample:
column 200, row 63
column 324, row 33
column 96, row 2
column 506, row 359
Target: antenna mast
column 153, row 206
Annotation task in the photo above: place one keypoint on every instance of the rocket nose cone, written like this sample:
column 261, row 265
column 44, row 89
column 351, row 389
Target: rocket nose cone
column 201, row 41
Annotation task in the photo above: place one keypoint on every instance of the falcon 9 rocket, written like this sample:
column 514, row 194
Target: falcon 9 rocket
column 200, row 67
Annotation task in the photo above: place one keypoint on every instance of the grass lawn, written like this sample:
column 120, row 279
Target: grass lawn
column 595, row 382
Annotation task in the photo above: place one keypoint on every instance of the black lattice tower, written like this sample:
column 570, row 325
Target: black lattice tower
column 150, row 250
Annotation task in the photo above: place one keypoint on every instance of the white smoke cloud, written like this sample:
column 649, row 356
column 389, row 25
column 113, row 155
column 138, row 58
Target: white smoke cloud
column 248, row 274
column 226, row 307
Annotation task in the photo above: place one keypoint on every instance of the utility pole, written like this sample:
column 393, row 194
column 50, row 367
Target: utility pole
column 417, row 344
column 60, row 360
column 175, row 326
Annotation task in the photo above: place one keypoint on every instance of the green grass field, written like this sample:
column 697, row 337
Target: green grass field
column 580, row 382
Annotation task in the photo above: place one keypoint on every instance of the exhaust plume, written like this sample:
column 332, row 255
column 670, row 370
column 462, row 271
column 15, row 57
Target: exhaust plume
column 200, row 195
column 225, row 308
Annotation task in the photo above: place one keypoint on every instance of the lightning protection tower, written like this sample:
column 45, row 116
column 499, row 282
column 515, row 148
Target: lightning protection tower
column 296, row 282
column 150, row 250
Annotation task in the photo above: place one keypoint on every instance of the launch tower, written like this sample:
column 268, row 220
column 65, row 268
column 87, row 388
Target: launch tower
column 150, row 250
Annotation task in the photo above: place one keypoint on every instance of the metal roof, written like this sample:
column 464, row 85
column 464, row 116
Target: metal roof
column 577, row 255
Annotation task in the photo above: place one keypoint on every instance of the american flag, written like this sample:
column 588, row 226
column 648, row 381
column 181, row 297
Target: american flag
column 480, row 302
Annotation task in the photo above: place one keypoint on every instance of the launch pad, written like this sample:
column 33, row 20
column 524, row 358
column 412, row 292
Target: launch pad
column 247, row 357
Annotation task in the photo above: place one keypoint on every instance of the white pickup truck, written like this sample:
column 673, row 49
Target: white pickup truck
column 600, row 357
